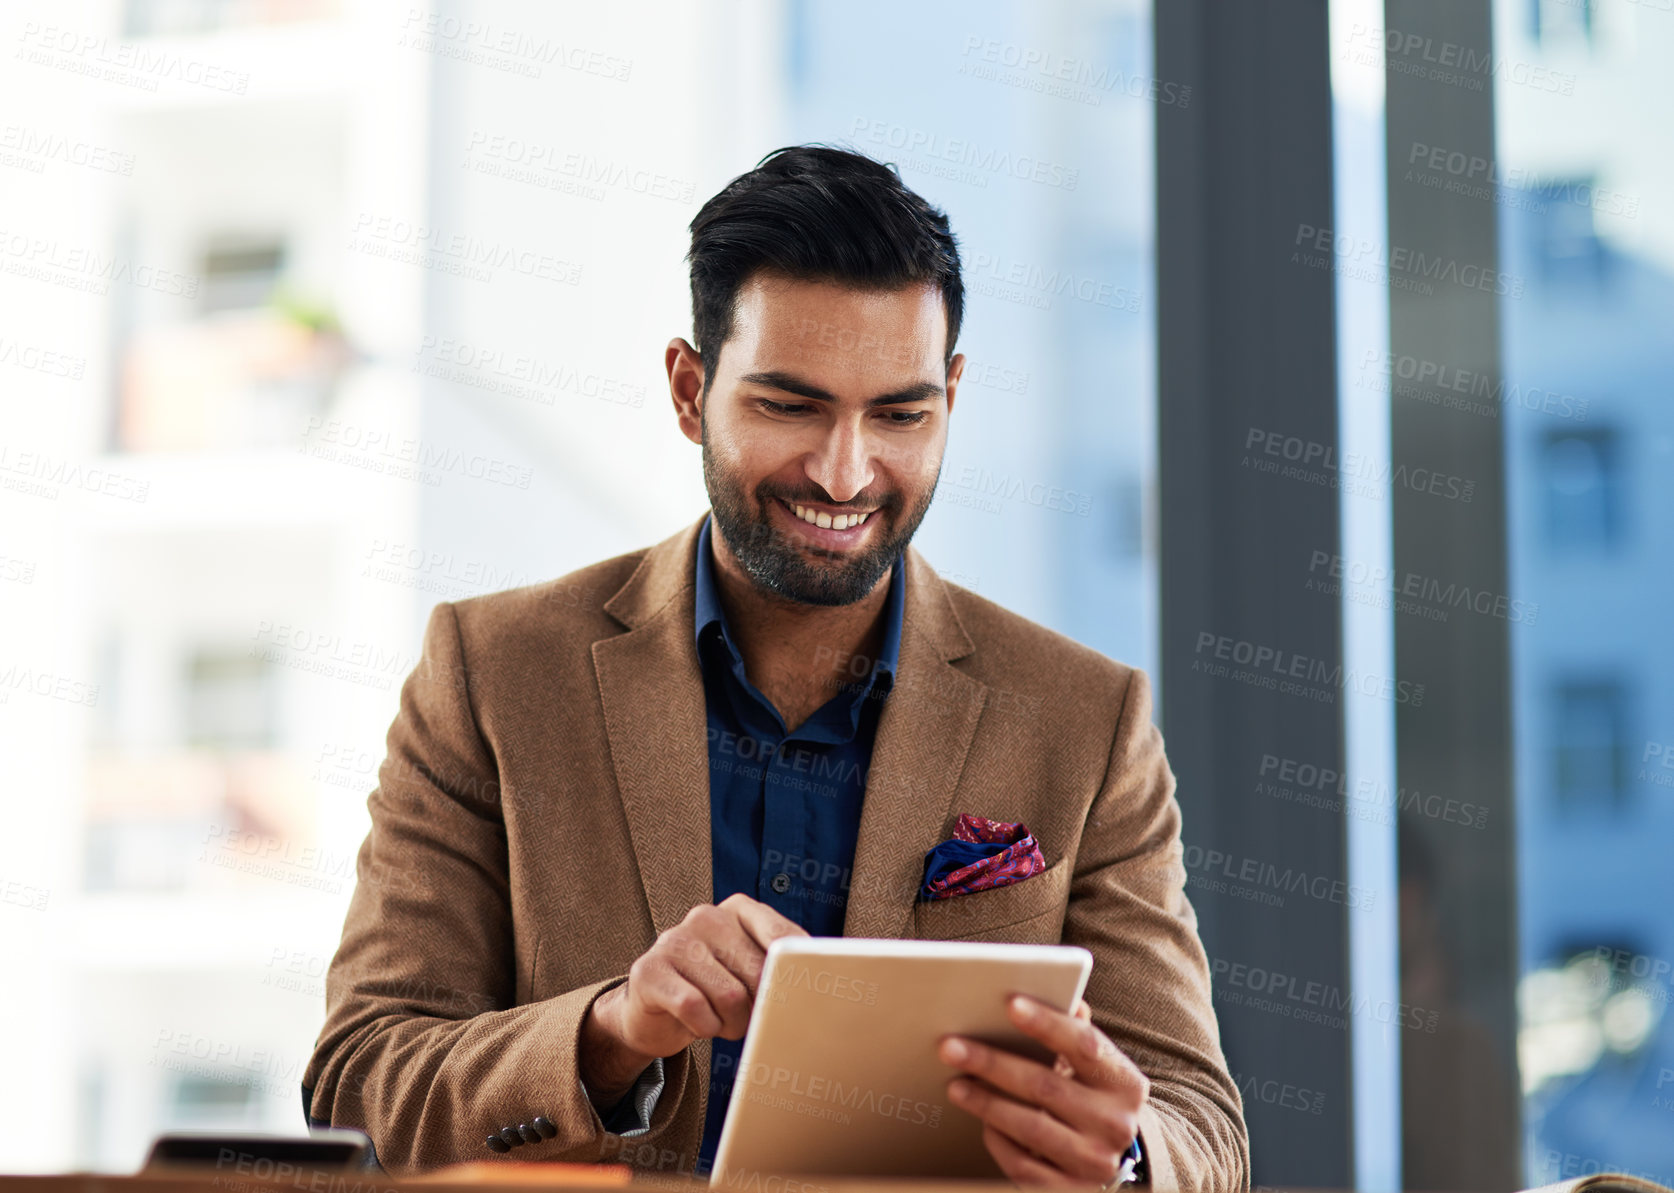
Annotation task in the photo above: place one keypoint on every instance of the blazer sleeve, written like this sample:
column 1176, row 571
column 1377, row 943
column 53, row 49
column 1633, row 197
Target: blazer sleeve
column 1149, row 989
column 422, row 1046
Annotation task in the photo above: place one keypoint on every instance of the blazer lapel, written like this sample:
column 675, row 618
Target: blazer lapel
column 924, row 734
column 652, row 691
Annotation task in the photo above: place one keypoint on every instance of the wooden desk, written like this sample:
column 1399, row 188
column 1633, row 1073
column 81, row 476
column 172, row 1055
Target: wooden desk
column 320, row 1181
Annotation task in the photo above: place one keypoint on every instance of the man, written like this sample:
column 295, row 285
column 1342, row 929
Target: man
column 606, row 795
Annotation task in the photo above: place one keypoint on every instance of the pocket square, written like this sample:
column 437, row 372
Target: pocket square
column 982, row 853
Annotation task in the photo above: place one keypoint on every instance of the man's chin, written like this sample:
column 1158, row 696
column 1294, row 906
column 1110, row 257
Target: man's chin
column 809, row 587
column 815, row 576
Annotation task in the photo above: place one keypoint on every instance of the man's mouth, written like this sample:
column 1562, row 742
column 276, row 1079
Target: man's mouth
column 826, row 520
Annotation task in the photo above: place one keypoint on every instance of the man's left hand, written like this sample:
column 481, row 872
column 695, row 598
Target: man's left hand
column 1067, row 1123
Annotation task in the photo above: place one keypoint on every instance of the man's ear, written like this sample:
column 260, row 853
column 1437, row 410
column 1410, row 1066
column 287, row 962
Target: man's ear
column 955, row 370
column 685, row 387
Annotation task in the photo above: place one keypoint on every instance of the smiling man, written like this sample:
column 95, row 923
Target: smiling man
column 605, row 796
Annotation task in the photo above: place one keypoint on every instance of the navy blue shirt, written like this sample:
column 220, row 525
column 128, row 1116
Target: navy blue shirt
column 784, row 807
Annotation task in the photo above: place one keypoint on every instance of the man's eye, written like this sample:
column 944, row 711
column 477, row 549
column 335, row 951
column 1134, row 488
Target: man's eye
column 907, row 418
column 773, row 407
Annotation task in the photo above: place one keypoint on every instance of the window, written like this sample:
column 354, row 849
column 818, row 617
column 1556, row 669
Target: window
column 1590, row 752
column 1567, row 248
column 1559, row 22
column 1581, row 488
column 241, row 274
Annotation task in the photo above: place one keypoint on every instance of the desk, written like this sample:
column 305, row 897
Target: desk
column 321, row 1181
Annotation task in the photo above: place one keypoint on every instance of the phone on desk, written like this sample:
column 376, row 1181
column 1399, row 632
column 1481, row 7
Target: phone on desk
column 263, row 1155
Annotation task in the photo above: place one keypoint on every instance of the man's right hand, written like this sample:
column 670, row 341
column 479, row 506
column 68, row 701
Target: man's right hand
column 697, row 982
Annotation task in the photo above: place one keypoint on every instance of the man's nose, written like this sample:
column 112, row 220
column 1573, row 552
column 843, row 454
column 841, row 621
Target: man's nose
column 842, row 465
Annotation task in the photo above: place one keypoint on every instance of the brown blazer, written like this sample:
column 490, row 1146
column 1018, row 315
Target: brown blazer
column 543, row 813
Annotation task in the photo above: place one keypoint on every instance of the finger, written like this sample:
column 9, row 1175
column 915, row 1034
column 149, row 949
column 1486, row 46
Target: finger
column 1059, row 1064
column 662, row 989
column 1018, row 1164
column 1031, row 1127
column 728, row 996
column 1029, row 1082
column 1078, row 1041
column 762, row 923
column 712, row 932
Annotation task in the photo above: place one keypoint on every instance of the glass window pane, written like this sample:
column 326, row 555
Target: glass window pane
column 1587, row 216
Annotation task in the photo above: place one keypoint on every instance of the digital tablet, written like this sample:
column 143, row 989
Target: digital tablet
column 839, row 1074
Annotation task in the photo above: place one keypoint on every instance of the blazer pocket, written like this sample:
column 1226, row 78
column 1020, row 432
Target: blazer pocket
column 977, row 913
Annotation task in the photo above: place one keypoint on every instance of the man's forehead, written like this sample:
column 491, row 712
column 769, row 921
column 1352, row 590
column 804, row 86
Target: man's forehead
column 906, row 326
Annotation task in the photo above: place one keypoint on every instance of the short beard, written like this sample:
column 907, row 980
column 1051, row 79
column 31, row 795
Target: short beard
column 779, row 562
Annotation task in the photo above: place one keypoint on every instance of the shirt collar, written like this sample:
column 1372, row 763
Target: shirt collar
column 709, row 612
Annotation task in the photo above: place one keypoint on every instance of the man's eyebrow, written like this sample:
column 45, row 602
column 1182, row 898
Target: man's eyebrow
column 920, row 391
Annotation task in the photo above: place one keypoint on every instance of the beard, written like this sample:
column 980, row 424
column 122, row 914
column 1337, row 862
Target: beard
column 798, row 570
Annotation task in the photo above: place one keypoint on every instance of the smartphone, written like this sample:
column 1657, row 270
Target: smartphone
column 263, row 1156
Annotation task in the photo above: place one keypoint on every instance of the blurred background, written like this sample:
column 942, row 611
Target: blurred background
column 314, row 313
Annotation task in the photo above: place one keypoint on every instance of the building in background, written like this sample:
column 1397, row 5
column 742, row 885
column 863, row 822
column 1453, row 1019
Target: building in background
column 1583, row 186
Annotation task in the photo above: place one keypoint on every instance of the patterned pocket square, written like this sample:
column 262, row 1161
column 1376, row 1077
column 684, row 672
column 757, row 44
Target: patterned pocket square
column 982, row 854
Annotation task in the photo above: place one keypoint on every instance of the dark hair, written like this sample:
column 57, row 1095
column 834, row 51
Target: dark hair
column 817, row 213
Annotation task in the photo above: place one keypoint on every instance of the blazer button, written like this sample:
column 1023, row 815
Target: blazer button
column 544, row 1126
column 510, row 1135
column 496, row 1144
column 530, row 1135
column 781, row 882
